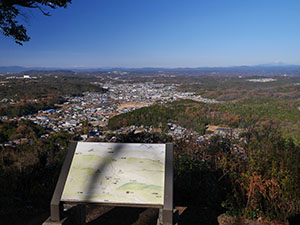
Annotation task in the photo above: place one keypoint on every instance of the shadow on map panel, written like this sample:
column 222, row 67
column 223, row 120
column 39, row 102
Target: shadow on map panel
column 101, row 167
column 121, row 215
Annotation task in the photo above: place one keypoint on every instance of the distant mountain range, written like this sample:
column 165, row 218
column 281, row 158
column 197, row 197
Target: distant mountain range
column 263, row 67
column 17, row 69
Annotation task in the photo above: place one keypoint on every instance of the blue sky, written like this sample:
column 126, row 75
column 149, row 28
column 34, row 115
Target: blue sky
column 159, row 33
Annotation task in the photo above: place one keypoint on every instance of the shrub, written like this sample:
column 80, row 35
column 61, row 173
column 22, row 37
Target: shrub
column 196, row 178
column 265, row 176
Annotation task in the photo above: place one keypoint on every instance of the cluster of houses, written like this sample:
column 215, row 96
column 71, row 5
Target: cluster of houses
column 121, row 97
column 141, row 92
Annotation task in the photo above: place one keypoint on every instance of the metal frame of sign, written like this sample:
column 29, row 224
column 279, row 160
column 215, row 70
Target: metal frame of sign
column 166, row 210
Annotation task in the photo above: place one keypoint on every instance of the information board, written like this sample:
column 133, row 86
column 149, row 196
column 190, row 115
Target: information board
column 116, row 173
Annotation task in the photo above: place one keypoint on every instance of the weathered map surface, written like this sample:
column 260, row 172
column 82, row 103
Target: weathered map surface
column 116, row 173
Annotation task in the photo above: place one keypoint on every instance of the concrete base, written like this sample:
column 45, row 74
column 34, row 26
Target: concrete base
column 74, row 215
column 51, row 222
column 167, row 217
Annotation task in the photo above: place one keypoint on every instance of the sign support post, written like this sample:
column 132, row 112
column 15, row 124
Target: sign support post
column 166, row 213
column 56, row 208
column 165, row 205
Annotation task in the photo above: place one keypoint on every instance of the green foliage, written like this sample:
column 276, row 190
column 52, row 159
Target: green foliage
column 235, row 88
column 47, row 87
column 160, row 116
column 19, row 129
column 155, row 116
column 17, row 110
column 196, row 115
column 10, row 11
column 41, row 94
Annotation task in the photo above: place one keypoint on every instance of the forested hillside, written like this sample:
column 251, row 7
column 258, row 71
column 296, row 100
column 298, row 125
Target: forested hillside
column 196, row 115
column 26, row 96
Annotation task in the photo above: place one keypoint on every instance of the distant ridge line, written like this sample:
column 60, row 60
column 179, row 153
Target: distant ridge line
column 275, row 67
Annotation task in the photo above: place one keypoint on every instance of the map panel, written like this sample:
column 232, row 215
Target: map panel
column 116, row 173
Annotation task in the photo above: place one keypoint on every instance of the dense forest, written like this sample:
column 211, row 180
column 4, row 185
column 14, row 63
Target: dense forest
column 25, row 108
column 196, row 115
column 29, row 170
column 46, row 86
column 237, row 88
column 27, row 96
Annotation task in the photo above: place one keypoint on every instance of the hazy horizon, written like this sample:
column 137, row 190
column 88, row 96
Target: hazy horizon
column 149, row 67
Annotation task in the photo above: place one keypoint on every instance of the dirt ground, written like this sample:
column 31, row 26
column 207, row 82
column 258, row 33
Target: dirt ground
column 214, row 128
column 128, row 105
column 98, row 215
